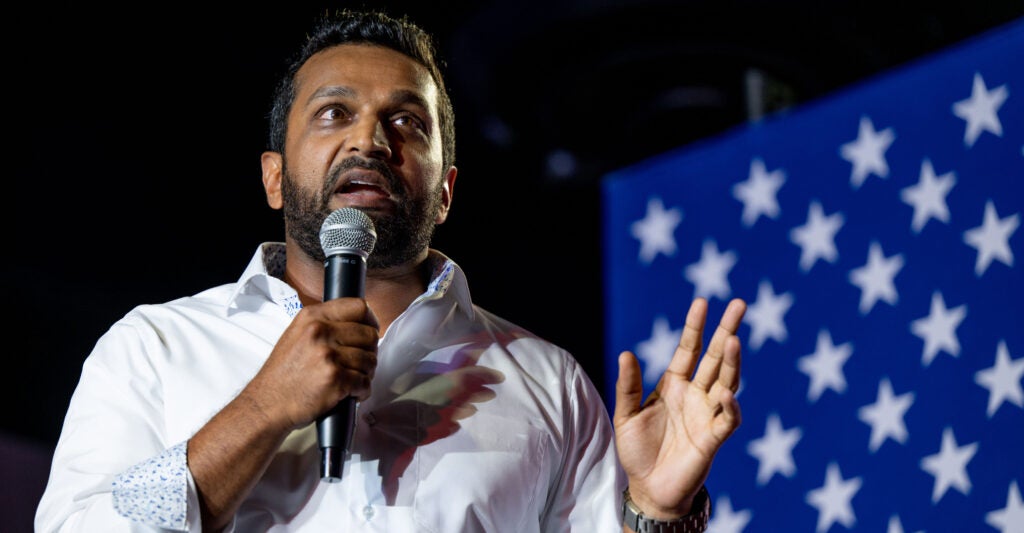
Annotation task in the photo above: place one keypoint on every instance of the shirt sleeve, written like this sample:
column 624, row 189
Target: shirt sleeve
column 155, row 491
column 112, row 464
column 588, row 494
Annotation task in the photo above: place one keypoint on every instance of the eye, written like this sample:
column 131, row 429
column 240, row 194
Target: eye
column 408, row 120
column 334, row 113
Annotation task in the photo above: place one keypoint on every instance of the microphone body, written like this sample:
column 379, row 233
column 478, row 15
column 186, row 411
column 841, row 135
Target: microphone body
column 347, row 237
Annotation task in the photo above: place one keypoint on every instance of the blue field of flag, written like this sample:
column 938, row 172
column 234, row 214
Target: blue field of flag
column 875, row 235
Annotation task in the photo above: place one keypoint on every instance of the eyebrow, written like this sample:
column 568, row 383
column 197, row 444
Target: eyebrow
column 409, row 97
column 333, row 90
column 402, row 96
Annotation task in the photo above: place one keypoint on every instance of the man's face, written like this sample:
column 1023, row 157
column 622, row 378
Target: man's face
column 363, row 132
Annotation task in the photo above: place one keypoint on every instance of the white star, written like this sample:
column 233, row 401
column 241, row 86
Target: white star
column 817, row 237
column 774, row 451
column 1009, row 519
column 710, row 275
column 875, row 278
column 885, row 416
column 867, row 153
column 1002, row 380
column 833, row 499
column 825, row 366
column 765, row 315
column 657, row 351
column 949, row 466
column 655, row 230
column 758, row 192
column 725, row 520
column 938, row 329
column 895, row 526
column 928, row 196
column 980, row 110
column 992, row 238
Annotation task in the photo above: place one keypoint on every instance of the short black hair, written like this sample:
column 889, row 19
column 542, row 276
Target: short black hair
column 346, row 26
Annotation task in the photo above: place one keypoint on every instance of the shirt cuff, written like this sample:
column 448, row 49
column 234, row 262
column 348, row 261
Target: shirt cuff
column 155, row 491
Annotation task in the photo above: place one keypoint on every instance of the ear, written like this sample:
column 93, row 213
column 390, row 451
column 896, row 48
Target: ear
column 272, row 175
column 447, row 191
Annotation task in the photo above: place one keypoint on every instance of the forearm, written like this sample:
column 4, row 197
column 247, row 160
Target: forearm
column 229, row 455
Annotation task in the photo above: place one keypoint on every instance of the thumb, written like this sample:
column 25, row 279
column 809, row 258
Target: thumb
column 629, row 388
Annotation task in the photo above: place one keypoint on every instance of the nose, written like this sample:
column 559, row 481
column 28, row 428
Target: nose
column 369, row 139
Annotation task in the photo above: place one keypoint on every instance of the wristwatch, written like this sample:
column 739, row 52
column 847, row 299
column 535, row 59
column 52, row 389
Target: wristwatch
column 695, row 522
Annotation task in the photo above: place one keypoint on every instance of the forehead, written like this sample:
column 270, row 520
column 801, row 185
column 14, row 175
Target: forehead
column 367, row 69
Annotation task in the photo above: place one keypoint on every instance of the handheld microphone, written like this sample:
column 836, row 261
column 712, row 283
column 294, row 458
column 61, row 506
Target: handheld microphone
column 347, row 237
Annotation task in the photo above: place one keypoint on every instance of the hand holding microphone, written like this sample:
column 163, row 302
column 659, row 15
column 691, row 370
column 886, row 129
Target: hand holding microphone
column 347, row 237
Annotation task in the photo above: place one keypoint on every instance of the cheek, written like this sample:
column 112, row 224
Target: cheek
column 424, row 153
column 313, row 152
column 311, row 166
column 422, row 172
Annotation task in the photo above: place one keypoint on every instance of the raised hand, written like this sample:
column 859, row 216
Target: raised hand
column 667, row 444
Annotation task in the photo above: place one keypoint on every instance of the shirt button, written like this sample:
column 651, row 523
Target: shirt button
column 368, row 512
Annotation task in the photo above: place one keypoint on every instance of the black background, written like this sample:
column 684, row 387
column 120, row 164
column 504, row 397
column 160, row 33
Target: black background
column 137, row 132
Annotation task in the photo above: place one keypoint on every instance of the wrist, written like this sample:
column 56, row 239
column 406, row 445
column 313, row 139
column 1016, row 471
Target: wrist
column 262, row 414
column 652, row 509
column 694, row 520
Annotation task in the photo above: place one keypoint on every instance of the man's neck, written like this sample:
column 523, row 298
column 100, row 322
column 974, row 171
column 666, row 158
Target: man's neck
column 389, row 291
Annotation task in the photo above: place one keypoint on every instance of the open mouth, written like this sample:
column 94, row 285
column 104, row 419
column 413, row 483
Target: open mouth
column 358, row 187
column 364, row 184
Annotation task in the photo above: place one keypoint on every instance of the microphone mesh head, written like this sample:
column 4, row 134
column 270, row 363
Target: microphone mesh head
column 347, row 230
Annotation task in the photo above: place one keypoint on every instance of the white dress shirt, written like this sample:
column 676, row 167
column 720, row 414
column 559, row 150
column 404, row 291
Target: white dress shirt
column 474, row 424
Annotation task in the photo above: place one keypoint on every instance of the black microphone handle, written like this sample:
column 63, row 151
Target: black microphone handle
column 344, row 276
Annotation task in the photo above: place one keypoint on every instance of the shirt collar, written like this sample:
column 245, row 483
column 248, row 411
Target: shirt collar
column 264, row 276
column 446, row 279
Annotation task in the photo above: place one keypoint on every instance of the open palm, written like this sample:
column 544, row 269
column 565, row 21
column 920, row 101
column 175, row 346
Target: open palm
column 667, row 444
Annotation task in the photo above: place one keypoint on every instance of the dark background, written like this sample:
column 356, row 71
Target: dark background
column 137, row 132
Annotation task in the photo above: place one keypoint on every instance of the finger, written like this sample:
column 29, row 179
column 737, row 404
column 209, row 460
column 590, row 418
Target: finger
column 629, row 388
column 356, row 360
column 691, row 341
column 359, row 385
column 347, row 309
column 709, row 367
column 729, row 324
column 354, row 371
column 355, row 335
column 729, row 374
column 729, row 417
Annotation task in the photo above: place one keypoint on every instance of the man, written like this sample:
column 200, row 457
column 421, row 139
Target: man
column 197, row 414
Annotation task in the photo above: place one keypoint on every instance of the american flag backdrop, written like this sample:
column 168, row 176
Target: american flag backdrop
column 875, row 235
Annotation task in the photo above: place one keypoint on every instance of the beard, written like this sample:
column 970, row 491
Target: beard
column 401, row 236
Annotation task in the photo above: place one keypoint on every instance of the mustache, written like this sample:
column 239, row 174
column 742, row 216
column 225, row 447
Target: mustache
column 376, row 165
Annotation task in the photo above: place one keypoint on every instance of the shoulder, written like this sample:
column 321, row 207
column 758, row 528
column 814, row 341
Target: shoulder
column 547, row 362
column 209, row 301
column 522, row 340
column 147, row 325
